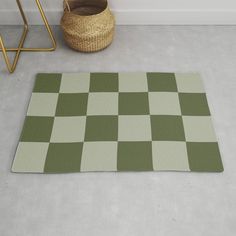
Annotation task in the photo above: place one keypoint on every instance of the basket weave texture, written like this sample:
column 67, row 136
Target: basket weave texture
column 88, row 26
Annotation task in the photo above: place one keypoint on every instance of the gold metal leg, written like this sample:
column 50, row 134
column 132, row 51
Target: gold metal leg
column 11, row 68
column 20, row 48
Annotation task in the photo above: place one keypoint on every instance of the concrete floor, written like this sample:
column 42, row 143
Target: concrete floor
column 121, row 204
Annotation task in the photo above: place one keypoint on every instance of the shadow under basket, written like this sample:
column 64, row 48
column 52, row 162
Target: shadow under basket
column 88, row 25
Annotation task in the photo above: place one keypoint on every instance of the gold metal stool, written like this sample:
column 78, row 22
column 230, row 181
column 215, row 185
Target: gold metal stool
column 11, row 67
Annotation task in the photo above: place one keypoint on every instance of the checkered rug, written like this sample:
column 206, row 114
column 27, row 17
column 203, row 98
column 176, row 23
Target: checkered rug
column 117, row 122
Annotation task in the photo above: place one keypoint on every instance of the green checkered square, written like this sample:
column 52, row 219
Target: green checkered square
column 161, row 82
column 101, row 128
column 104, row 82
column 47, row 83
column 204, row 156
column 37, row 129
column 72, row 104
column 194, row 104
column 63, row 158
column 134, row 156
column 167, row 128
column 82, row 122
column 133, row 104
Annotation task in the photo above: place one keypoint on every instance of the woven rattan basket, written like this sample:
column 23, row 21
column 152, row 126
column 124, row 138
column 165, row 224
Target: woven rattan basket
column 88, row 25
